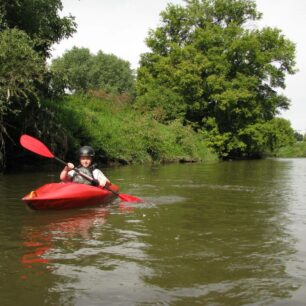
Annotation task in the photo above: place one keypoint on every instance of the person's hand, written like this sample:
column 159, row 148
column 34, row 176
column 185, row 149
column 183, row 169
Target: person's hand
column 70, row 166
column 107, row 184
column 95, row 182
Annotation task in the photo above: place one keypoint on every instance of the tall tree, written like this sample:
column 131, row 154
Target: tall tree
column 20, row 70
column 224, row 74
column 71, row 70
column 40, row 19
column 28, row 28
column 78, row 70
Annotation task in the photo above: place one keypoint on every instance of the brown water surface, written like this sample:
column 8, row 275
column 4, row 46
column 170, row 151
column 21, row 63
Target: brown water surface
column 229, row 233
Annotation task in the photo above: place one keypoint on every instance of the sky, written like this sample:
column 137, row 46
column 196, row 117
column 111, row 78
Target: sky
column 121, row 26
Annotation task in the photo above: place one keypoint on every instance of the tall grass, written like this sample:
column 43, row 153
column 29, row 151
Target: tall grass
column 120, row 134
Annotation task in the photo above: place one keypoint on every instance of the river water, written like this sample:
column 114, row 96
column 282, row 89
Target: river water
column 228, row 233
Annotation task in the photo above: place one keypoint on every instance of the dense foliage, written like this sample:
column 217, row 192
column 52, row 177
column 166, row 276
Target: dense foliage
column 40, row 19
column 208, row 80
column 119, row 134
column 298, row 149
column 207, row 68
column 28, row 28
column 80, row 71
column 18, row 71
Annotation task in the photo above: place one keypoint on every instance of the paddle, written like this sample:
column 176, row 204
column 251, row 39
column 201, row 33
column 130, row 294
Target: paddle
column 36, row 146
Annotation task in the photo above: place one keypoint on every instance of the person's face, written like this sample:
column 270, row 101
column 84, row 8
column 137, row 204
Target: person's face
column 85, row 161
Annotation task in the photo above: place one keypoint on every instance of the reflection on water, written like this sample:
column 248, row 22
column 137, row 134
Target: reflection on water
column 40, row 239
column 214, row 234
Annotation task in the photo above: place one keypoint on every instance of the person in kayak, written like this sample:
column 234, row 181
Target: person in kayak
column 86, row 154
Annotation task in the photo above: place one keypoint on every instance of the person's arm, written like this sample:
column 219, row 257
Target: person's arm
column 64, row 176
column 101, row 178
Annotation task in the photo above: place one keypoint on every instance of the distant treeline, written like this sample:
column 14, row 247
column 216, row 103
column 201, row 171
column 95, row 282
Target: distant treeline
column 208, row 83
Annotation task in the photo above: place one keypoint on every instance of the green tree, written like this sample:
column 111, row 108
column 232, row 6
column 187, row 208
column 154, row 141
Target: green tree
column 40, row 19
column 225, row 75
column 28, row 29
column 71, row 71
column 111, row 73
column 298, row 136
column 21, row 68
column 266, row 137
column 79, row 71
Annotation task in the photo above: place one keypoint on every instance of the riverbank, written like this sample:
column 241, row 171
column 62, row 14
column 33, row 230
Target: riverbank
column 120, row 134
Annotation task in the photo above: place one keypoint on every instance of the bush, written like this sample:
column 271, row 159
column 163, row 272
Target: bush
column 296, row 150
column 120, row 134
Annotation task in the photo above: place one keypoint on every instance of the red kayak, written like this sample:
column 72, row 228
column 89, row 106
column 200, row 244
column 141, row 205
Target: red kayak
column 68, row 195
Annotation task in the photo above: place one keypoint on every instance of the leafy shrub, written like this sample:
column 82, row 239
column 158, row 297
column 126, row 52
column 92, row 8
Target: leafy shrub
column 120, row 134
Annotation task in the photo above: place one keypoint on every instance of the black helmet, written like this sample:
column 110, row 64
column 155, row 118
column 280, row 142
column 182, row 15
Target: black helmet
column 86, row 151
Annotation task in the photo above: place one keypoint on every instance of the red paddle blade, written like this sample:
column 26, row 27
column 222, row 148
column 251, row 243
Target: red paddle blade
column 129, row 198
column 34, row 145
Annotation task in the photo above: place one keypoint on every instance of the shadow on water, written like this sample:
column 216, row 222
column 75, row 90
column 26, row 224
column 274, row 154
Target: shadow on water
column 213, row 234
